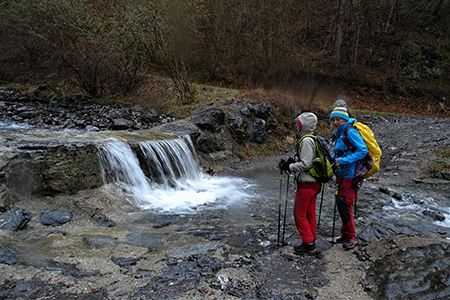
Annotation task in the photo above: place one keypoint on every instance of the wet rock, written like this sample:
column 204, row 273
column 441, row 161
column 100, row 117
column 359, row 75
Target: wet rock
column 192, row 249
column 102, row 221
column 413, row 273
column 385, row 190
column 143, row 273
column 15, row 219
column 46, row 170
column 180, row 128
column 155, row 219
column 397, row 196
column 142, row 239
column 259, row 131
column 150, row 116
column 125, row 262
column 41, row 115
column 208, row 117
column 122, row 124
column 262, row 110
column 98, row 241
column 5, row 202
column 161, row 225
column 55, row 218
column 240, row 127
column 435, row 215
column 92, row 128
column 405, row 226
column 23, row 289
column 374, row 232
column 65, row 269
column 180, row 277
column 210, row 143
column 441, row 175
column 7, row 254
column 245, row 111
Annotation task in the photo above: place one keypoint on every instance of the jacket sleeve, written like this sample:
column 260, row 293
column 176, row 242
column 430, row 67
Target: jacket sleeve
column 354, row 137
column 306, row 154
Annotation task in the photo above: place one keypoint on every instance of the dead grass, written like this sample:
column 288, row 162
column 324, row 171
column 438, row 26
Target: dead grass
column 442, row 163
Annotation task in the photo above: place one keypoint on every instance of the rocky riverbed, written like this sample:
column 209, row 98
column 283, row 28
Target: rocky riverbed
column 105, row 248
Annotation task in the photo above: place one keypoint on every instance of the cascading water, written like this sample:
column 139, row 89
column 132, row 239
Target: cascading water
column 170, row 156
column 176, row 183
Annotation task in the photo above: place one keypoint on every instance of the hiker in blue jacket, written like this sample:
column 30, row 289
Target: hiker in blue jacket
column 348, row 183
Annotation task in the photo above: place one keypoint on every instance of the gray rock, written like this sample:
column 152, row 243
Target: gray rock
column 122, row 124
column 435, row 215
column 142, row 239
column 150, row 116
column 374, row 232
column 7, row 254
column 97, row 241
column 15, row 219
column 192, row 249
column 208, row 117
column 102, row 221
column 125, row 262
column 55, row 218
column 259, row 131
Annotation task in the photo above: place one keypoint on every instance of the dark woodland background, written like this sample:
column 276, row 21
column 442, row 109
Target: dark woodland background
column 387, row 55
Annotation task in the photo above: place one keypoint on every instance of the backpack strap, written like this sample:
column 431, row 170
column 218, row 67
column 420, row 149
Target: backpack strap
column 307, row 135
column 345, row 139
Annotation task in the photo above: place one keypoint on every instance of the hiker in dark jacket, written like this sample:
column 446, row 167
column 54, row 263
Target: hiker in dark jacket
column 347, row 183
column 307, row 186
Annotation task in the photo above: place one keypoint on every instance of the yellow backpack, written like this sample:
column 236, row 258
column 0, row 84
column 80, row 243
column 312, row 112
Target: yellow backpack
column 371, row 162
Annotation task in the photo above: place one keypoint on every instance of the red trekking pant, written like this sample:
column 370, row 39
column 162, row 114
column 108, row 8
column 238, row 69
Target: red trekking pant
column 347, row 189
column 305, row 210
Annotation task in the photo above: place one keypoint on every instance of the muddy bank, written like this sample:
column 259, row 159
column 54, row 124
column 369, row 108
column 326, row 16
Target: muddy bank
column 111, row 250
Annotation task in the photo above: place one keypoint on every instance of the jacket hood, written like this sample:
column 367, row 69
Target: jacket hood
column 307, row 121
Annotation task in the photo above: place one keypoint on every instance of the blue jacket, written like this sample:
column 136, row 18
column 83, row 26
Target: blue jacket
column 347, row 159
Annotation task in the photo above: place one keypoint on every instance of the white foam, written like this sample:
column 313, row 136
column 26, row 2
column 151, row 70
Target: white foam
column 191, row 191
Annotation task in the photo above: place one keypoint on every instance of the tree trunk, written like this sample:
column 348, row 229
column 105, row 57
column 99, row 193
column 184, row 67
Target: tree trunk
column 339, row 32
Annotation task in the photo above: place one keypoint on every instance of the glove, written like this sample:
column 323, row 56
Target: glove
column 283, row 165
column 291, row 160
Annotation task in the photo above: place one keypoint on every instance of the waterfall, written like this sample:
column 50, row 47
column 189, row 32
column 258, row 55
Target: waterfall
column 165, row 175
column 170, row 156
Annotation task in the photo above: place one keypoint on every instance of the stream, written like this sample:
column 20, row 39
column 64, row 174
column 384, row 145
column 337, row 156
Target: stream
column 186, row 234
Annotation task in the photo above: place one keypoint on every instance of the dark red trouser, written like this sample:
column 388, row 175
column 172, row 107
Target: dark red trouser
column 305, row 209
column 345, row 199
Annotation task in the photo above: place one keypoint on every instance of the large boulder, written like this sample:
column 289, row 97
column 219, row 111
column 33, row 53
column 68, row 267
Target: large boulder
column 224, row 128
column 47, row 170
column 208, row 117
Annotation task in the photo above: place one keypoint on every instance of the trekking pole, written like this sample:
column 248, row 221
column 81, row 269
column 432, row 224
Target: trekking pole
column 279, row 208
column 334, row 213
column 285, row 207
column 321, row 201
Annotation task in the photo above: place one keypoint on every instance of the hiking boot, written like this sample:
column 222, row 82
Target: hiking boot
column 350, row 243
column 341, row 239
column 305, row 249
